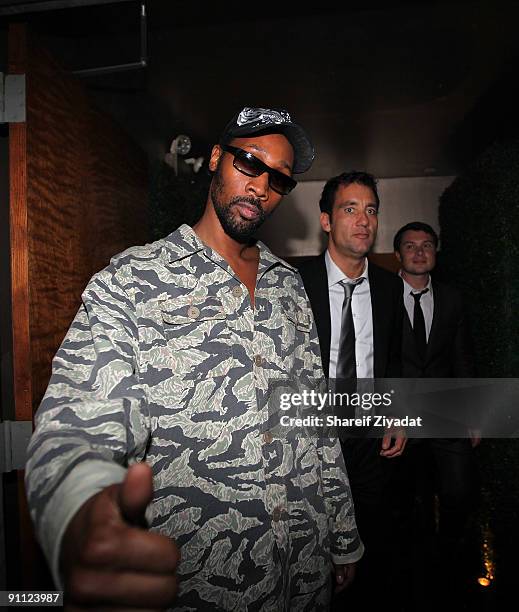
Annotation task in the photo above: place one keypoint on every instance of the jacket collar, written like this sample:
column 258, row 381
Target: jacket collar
column 184, row 242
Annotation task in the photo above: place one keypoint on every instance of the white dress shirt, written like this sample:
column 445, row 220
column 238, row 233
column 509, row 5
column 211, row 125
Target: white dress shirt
column 426, row 302
column 362, row 318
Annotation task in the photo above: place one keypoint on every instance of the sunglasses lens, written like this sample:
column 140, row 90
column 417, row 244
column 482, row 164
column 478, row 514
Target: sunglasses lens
column 281, row 183
column 251, row 166
column 248, row 166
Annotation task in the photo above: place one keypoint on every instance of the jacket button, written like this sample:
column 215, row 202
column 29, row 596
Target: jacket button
column 193, row 312
column 276, row 514
column 237, row 291
column 258, row 360
column 267, row 437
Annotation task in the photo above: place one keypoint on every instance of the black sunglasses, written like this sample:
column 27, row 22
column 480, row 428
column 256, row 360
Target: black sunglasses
column 248, row 164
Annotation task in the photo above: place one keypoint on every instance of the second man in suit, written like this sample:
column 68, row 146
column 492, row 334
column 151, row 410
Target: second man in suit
column 437, row 344
column 349, row 215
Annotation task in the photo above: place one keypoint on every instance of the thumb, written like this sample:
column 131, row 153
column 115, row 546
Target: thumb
column 386, row 440
column 136, row 493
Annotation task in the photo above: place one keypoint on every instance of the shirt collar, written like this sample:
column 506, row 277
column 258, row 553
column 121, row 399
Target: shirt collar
column 184, row 242
column 268, row 259
column 408, row 289
column 336, row 275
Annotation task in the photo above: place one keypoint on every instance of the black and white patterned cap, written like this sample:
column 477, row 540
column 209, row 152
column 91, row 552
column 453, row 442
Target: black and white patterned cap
column 253, row 120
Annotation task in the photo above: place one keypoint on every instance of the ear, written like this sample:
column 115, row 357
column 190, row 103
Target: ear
column 325, row 222
column 216, row 153
column 398, row 256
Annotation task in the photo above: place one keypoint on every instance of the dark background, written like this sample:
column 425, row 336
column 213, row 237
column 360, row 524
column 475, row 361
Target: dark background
column 402, row 89
column 412, row 88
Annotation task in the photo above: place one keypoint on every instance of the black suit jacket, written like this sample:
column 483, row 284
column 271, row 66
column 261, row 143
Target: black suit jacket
column 387, row 310
column 449, row 349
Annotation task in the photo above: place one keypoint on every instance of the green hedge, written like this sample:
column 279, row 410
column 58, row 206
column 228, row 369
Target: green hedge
column 479, row 220
column 176, row 199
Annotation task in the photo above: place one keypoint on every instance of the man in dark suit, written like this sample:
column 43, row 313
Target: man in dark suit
column 448, row 351
column 349, row 207
column 436, row 344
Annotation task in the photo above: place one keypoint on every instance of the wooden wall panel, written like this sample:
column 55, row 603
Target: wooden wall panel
column 87, row 200
column 120, row 181
column 19, row 241
column 78, row 195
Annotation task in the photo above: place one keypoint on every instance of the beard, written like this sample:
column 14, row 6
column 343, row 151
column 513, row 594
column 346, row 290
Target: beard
column 236, row 227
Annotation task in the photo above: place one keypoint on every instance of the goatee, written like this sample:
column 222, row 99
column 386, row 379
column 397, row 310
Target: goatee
column 236, row 227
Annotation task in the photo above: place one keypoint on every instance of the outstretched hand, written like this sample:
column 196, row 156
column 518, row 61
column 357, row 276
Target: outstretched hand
column 108, row 557
column 344, row 576
column 399, row 436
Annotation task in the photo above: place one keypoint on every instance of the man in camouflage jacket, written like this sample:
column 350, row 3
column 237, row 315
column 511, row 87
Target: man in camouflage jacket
column 159, row 405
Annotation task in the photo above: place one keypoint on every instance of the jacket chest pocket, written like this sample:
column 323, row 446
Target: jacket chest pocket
column 295, row 337
column 198, row 337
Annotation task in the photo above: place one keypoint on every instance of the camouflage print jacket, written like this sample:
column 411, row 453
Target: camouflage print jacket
column 167, row 361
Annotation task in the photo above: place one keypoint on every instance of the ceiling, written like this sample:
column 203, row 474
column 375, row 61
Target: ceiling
column 397, row 88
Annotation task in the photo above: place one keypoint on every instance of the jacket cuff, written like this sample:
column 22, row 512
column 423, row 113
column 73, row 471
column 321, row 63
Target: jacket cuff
column 350, row 557
column 84, row 481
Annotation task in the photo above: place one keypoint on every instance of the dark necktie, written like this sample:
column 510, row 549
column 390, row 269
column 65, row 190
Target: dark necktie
column 346, row 363
column 419, row 324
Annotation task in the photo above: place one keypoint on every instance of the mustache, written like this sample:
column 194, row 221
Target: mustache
column 251, row 200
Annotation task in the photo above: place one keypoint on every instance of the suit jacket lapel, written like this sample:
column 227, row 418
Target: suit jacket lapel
column 435, row 325
column 321, row 304
column 407, row 323
column 316, row 285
